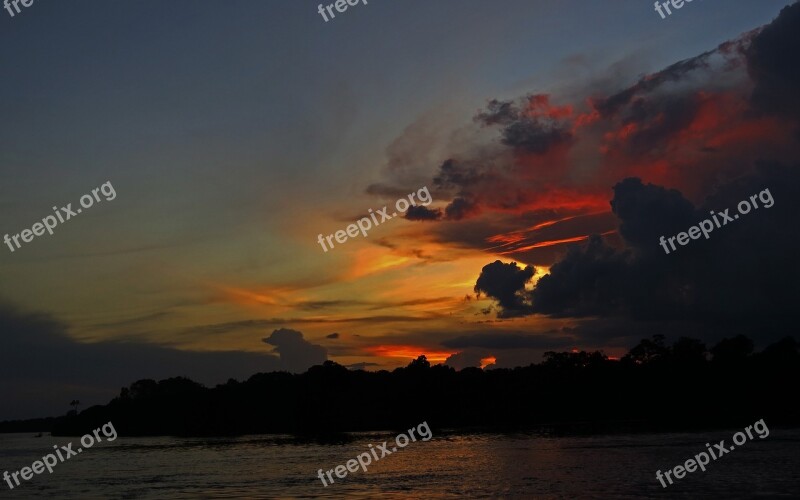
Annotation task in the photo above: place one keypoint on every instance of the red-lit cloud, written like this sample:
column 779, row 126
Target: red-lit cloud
column 685, row 127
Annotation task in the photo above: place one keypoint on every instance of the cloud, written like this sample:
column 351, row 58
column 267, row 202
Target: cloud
column 461, row 208
column 332, row 336
column 688, row 127
column 506, row 284
column 696, row 136
column 465, row 359
column 615, row 165
column 590, row 280
column 456, row 174
column 535, row 136
column 612, row 105
column 743, row 277
column 533, row 126
column 423, row 213
column 498, row 113
column 297, row 354
column 638, row 205
column 772, row 65
column 40, row 365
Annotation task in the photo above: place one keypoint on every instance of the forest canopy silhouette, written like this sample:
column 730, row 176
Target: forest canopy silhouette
column 656, row 385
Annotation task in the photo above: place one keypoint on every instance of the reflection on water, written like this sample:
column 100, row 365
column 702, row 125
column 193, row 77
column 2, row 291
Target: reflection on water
column 448, row 466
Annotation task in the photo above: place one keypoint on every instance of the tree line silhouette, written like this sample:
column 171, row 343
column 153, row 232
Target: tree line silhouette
column 654, row 387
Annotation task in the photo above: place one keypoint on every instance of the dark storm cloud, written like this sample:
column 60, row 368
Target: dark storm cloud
column 610, row 106
column 651, row 129
column 658, row 118
column 423, row 213
column 535, row 135
column 743, row 279
column 455, row 174
column 697, row 126
column 772, row 64
column 745, row 276
column 498, row 113
column 297, row 354
column 458, row 176
column 40, row 365
column 461, row 208
column 590, row 280
column 532, row 130
column 638, row 205
column 506, row 284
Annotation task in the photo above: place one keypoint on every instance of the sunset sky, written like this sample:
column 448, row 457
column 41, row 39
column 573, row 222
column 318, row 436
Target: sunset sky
column 236, row 132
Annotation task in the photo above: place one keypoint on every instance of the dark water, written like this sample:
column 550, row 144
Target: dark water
column 450, row 466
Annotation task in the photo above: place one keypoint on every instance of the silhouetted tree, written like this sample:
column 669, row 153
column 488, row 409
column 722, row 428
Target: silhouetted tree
column 143, row 389
column 560, row 360
column 421, row 363
column 566, row 388
column 648, row 351
column 689, row 351
column 782, row 351
column 734, row 350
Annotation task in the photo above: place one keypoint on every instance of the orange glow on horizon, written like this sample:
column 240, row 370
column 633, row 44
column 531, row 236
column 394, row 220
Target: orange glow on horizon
column 487, row 361
column 409, row 352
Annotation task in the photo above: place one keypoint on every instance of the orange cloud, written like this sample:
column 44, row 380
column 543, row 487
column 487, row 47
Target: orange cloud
column 410, row 352
column 518, row 236
column 552, row 242
column 272, row 297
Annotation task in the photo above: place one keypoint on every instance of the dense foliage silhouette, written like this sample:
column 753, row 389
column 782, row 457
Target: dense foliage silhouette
column 655, row 385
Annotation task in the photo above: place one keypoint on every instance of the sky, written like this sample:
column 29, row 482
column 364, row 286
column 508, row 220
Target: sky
column 558, row 142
